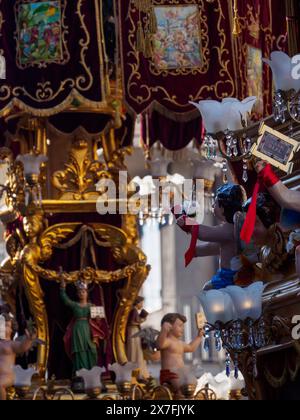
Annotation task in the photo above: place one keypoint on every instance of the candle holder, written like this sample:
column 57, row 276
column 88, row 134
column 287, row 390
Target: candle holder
column 92, row 381
column 32, row 169
column 188, row 391
column 23, row 378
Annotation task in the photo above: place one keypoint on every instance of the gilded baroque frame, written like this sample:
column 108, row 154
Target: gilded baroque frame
column 65, row 55
column 40, row 249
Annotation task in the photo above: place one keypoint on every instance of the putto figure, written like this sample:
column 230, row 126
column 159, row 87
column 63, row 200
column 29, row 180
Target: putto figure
column 9, row 349
column 219, row 240
column 173, row 348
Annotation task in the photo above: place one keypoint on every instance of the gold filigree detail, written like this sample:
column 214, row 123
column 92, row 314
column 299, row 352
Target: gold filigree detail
column 130, row 227
column 78, row 181
column 117, row 161
column 274, row 254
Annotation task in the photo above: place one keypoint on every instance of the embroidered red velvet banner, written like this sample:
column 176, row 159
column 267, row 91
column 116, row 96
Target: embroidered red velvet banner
column 192, row 56
column 264, row 29
column 54, row 54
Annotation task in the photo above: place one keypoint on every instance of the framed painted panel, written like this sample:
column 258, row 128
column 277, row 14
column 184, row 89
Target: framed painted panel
column 39, row 33
column 177, row 43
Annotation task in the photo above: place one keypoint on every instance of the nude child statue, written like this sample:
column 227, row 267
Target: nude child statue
column 173, row 348
column 8, row 351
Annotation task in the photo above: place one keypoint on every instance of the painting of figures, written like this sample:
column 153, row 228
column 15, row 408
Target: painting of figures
column 177, row 43
column 39, row 30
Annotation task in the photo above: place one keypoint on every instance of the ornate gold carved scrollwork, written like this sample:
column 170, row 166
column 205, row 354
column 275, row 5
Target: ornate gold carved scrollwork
column 130, row 227
column 41, row 243
column 78, row 181
column 14, row 186
column 117, row 161
column 274, row 254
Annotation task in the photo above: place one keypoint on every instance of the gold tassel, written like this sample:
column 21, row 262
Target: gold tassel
column 146, row 4
column 148, row 46
column 140, row 39
column 237, row 30
column 138, row 4
column 152, row 21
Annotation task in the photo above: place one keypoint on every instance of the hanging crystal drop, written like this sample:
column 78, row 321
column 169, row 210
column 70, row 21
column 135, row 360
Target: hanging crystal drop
column 245, row 171
column 218, row 340
column 206, row 145
column 225, row 171
column 235, row 151
column 213, row 198
column 240, row 343
column 207, row 340
column 228, row 363
column 236, row 366
column 254, row 362
column 229, row 144
column 251, row 342
column 247, row 145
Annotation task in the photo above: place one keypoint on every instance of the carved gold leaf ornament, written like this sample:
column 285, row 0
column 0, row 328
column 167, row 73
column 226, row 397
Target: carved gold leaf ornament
column 81, row 174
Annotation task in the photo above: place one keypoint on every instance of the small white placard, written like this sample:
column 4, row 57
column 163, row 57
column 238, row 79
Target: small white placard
column 97, row 312
column 2, row 328
column 2, row 67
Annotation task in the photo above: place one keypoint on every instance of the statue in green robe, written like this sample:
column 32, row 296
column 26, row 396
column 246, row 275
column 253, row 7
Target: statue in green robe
column 81, row 338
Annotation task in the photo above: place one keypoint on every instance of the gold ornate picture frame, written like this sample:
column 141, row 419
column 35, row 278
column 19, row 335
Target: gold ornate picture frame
column 276, row 148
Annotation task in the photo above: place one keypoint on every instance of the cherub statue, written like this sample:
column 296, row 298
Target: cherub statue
column 173, row 348
column 9, row 349
column 219, row 240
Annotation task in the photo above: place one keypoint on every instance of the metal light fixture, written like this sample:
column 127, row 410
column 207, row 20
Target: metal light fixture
column 123, row 377
column 235, row 316
column 23, row 379
column 227, row 120
column 155, row 196
column 92, row 380
column 287, row 96
column 32, row 169
column 187, row 381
